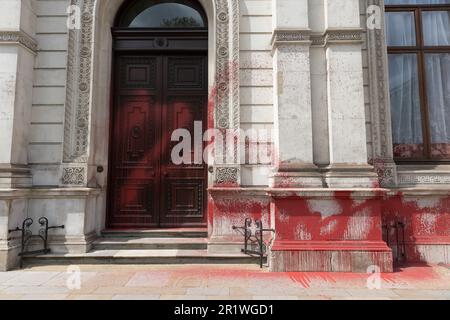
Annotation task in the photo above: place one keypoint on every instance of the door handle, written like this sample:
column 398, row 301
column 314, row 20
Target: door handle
column 211, row 169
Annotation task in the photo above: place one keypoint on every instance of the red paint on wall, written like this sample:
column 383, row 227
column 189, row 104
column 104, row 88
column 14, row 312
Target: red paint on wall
column 426, row 222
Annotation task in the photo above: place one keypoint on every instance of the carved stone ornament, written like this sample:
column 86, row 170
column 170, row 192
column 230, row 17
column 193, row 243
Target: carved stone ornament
column 18, row 37
column 79, row 76
column 75, row 176
column 227, row 176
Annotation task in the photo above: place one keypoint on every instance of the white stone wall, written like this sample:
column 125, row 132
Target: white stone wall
column 256, row 86
column 47, row 116
column 256, row 78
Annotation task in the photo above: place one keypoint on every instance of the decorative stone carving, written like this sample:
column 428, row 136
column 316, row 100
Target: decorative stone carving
column 417, row 179
column 342, row 35
column 79, row 77
column 382, row 156
column 290, row 36
column 227, row 176
column 18, row 37
column 78, row 88
column 75, row 176
column 337, row 36
column 386, row 172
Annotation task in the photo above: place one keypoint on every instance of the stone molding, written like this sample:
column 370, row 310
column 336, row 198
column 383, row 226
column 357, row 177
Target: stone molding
column 79, row 87
column 343, row 36
column 18, row 37
column 382, row 156
column 306, row 36
column 300, row 36
column 416, row 175
column 337, row 36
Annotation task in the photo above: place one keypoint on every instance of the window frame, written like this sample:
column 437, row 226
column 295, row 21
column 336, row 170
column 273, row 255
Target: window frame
column 127, row 6
column 420, row 50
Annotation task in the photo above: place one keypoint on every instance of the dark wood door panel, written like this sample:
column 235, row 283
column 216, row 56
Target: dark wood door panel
column 135, row 203
column 154, row 95
column 186, row 73
column 184, row 202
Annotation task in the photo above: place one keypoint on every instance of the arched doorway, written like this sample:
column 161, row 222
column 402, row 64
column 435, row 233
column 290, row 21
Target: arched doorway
column 160, row 82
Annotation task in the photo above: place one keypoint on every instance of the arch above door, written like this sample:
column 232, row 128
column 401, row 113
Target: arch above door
column 87, row 96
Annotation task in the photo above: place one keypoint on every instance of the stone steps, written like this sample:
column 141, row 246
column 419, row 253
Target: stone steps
column 141, row 257
column 132, row 243
column 157, row 233
column 159, row 246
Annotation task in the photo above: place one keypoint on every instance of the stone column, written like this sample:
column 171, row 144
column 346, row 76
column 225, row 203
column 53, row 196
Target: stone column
column 346, row 115
column 294, row 164
column 17, row 51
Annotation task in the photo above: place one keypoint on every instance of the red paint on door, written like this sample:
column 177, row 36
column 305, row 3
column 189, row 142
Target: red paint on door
column 154, row 95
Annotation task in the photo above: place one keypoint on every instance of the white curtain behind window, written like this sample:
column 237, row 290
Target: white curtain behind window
column 404, row 83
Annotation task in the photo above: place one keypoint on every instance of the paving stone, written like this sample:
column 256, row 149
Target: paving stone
column 5, row 276
column 35, row 290
column 10, row 296
column 182, row 297
column 372, row 293
column 109, row 279
column 140, row 290
column 44, row 297
column 425, row 294
column 30, row 278
column 149, row 279
column 61, row 280
column 190, row 281
column 199, row 282
column 275, row 298
column 91, row 297
column 328, row 292
column 209, row 291
column 229, row 297
column 135, row 297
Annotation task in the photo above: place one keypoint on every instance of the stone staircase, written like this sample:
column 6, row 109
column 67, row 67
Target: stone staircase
column 159, row 246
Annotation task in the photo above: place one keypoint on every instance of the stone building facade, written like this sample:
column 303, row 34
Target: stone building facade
column 313, row 72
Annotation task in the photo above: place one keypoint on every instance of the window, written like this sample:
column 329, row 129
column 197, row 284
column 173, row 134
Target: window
column 418, row 40
column 163, row 14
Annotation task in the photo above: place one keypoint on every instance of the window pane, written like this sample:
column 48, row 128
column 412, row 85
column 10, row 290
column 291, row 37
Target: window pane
column 405, row 106
column 438, row 92
column 400, row 29
column 436, row 28
column 162, row 14
column 412, row 2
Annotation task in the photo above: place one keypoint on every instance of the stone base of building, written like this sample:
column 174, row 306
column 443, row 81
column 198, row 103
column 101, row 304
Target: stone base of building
column 9, row 256
column 75, row 208
column 424, row 233
column 328, row 230
column 358, row 257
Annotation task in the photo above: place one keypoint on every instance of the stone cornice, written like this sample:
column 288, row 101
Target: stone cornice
column 18, row 37
column 337, row 36
column 291, row 36
column 344, row 35
column 307, row 37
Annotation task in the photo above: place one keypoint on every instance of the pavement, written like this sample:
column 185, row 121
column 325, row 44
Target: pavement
column 219, row 282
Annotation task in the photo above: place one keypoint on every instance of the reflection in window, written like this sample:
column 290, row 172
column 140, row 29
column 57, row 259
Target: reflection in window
column 163, row 14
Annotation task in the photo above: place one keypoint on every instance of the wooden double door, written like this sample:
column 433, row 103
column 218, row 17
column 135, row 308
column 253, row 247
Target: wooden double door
column 155, row 94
